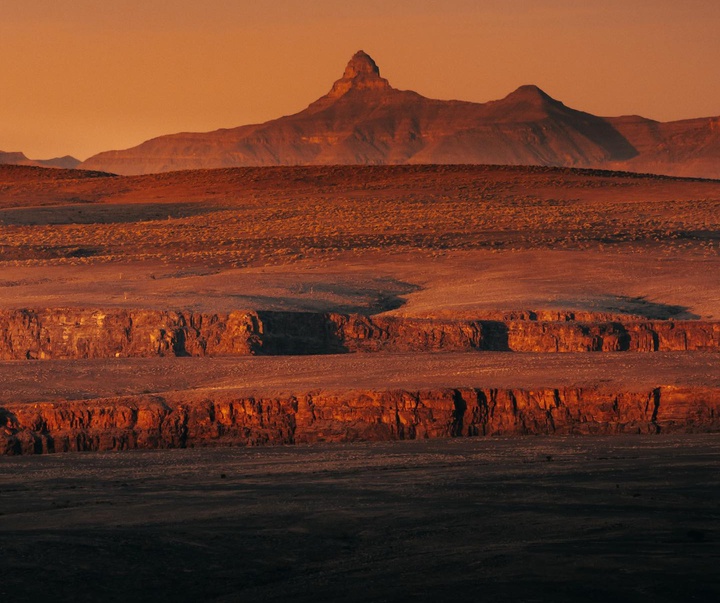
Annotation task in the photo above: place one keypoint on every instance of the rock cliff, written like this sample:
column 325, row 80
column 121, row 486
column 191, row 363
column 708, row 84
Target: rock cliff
column 220, row 418
column 74, row 334
column 228, row 417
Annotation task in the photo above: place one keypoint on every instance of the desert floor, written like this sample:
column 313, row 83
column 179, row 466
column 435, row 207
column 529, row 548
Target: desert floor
column 423, row 240
column 525, row 519
column 531, row 519
column 276, row 375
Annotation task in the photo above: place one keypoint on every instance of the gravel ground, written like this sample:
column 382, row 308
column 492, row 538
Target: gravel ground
column 527, row 519
column 51, row 380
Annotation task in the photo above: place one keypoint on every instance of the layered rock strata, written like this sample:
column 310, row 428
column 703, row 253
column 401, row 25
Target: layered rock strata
column 210, row 418
column 75, row 334
column 230, row 417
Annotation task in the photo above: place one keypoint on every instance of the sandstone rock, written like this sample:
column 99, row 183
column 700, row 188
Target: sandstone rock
column 187, row 420
column 77, row 333
column 361, row 73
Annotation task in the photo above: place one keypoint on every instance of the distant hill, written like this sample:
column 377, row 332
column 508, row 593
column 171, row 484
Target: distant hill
column 17, row 158
column 364, row 120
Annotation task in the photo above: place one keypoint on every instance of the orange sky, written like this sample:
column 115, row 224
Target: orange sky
column 83, row 76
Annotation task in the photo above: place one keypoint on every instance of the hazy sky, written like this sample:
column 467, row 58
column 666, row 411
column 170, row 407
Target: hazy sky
column 82, row 76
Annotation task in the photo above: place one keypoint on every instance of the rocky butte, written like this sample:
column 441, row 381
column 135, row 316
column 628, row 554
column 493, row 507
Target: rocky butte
column 364, row 120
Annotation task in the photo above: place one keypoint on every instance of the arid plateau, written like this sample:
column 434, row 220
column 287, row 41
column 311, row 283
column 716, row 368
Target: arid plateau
column 252, row 273
column 252, row 344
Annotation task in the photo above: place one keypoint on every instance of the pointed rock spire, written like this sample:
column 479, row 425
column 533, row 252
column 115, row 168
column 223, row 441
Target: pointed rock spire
column 531, row 92
column 531, row 95
column 361, row 63
column 361, row 73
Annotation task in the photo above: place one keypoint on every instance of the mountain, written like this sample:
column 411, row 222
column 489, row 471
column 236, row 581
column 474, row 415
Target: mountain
column 364, row 120
column 17, row 158
column 689, row 147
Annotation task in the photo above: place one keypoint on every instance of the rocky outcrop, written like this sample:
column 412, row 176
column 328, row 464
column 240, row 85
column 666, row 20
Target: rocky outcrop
column 74, row 334
column 361, row 73
column 69, row 334
column 362, row 333
column 221, row 418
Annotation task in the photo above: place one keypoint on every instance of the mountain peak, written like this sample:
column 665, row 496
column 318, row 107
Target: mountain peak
column 530, row 94
column 361, row 63
column 361, row 73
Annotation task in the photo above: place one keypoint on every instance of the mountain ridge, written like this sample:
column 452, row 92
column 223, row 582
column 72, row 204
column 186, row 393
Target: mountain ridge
column 364, row 120
column 19, row 158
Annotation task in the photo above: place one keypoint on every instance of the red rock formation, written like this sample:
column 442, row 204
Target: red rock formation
column 67, row 334
column 72, row 333
column 195, row 419
column 361, row 73
column 363, row 120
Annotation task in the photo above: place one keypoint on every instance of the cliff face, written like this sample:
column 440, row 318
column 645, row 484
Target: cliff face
column 362, row 333
column 223, row 419
column 73, row 334
column 217, row 417
column 68, row 334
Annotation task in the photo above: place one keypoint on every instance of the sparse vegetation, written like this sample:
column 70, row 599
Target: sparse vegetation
column 275, row 215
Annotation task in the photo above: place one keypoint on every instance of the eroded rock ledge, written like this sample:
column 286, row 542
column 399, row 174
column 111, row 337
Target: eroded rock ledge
column 74, row 334
column 211, row 418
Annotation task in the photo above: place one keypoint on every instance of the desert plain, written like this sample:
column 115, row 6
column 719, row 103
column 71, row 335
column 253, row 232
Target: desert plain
column 273, row 338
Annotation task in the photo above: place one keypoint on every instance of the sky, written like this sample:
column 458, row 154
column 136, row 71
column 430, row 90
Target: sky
column 82, row 76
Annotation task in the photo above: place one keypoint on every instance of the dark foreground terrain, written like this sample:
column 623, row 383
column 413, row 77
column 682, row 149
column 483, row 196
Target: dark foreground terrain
column 625, row 518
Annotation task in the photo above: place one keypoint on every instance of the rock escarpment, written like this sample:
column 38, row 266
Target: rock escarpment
column 76, row 333
column 69, row 334
column 221, row 418
column 227, row 416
